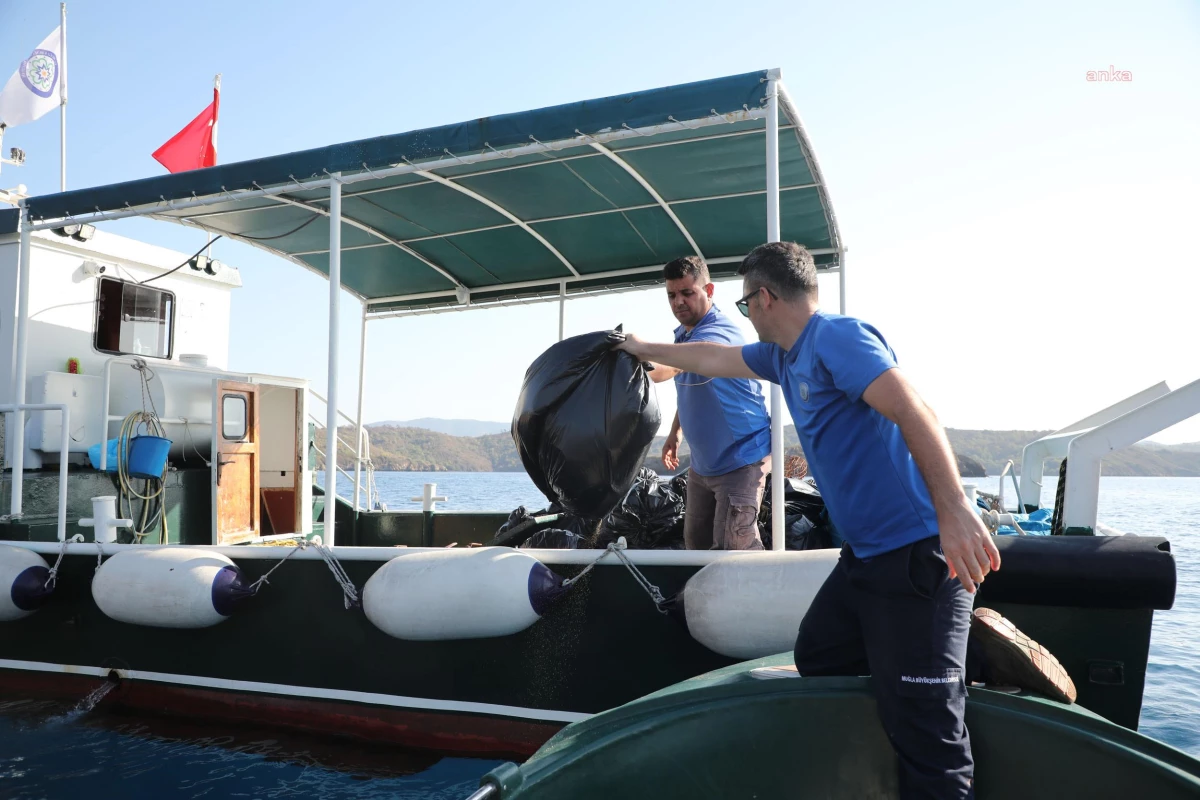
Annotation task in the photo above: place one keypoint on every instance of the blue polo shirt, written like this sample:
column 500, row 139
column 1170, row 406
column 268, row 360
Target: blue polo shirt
column 725, row 420
column 866, row 474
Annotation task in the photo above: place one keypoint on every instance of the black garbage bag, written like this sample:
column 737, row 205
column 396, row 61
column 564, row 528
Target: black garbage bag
column 557, row 539
column 522, row 524
column 806, row 522
column 584, row 423
column 649, row 517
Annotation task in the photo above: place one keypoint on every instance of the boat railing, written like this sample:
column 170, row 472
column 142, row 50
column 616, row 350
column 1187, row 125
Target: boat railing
column 136, row 362
column 363, row 479
column 1085, row 443
column 64, row 446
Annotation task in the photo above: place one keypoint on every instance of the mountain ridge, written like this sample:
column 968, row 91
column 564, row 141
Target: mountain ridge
column 412, row 448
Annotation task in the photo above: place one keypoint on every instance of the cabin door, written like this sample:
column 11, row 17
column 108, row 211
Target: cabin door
column 235, row 463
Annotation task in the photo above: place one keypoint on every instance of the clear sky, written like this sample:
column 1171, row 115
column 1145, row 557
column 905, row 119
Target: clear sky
column 1024, row 238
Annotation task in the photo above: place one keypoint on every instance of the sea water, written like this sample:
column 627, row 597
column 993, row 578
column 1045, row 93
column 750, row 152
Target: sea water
column 54, row 751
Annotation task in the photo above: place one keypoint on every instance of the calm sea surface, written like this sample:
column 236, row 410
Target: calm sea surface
column 53, row 751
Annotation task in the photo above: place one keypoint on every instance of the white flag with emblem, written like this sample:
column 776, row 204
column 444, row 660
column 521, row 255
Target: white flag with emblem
column 37, row 86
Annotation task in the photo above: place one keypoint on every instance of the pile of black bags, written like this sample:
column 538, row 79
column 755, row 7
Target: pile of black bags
column 651, row 515
column 584, row 423
column 806, row 521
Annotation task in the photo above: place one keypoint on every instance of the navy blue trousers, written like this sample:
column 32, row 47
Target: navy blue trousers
column 901, row 619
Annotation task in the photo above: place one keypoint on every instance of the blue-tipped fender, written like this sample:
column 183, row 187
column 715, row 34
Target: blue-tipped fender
column 169, row 587
column 459, row 594
column 23, row 576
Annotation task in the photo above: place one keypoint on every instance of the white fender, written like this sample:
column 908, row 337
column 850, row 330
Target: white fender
column 23, row 575
column 171, row 587
column 459, row 594
column 751, row 605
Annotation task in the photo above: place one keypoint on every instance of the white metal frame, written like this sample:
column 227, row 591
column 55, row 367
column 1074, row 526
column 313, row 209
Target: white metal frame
column 64, row 448
column 1055, row 445
column 645, row 184
column 106, row 392
column 778, row 518
column 502, row 211
column 331, row 409
column 1082, row 494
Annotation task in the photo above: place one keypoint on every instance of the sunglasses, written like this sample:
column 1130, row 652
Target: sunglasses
column 743, row 305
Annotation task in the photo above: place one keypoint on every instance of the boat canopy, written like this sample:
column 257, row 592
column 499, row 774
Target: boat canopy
column 587, row 197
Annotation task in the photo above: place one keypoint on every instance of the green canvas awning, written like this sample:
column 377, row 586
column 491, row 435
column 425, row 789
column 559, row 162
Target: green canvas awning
column 586, row 197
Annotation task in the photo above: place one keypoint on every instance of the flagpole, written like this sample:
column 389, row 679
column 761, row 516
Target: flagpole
column 216, row 88
column 62, row 93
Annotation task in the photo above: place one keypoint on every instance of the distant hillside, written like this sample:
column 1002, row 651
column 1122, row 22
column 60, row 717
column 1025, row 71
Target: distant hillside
column 418, row 449
column 454, row 427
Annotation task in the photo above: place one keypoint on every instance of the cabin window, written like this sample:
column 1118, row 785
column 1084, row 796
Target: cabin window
column 233, row 417
column 132, row 319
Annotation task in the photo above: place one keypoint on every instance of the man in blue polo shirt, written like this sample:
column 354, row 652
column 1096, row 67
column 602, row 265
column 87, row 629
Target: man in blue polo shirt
column 898, row 604
column 725, row 420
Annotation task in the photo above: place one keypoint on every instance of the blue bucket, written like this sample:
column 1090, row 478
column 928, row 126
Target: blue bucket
column 148, row 456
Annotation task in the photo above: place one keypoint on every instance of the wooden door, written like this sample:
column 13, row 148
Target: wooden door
column 236, row 462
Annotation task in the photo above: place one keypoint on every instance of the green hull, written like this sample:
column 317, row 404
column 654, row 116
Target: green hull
column 730, row 734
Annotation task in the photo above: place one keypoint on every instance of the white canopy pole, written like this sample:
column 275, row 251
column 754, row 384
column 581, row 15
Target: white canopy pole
column 777, row 407
column 562, row 309
column 358, row 420
column 842, row 283
column 17, row 448
column 331, row 396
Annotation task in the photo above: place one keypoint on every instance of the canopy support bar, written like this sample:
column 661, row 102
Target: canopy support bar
column 502, row 211
column 539, row 221
column 645, row 184
column 331, row 395
column 650, row 269
column 842, row 283
column 778, row 538
column 17, row 448
column 368, row 229
column 358, row 419
column 562, row 309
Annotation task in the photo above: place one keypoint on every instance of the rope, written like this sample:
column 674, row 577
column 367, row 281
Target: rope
column 155, row 499
column 617, row 548
column 52, row 578
column 99, row 555
column 349, row 591
column 1056, row 520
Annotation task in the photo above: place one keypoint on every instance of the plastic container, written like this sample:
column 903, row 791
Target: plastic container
column 148, row 456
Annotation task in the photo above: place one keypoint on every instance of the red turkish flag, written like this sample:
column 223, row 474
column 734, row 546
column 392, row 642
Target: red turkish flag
column 196, row 145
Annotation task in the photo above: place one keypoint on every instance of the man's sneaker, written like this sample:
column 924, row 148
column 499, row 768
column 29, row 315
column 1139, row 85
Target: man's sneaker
column 1013, row 658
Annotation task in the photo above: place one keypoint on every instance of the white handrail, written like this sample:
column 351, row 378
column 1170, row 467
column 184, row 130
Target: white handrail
column 1082, row 494
column 1055, row 445
column 362, row 453
column 64, row 446
column 154, row 366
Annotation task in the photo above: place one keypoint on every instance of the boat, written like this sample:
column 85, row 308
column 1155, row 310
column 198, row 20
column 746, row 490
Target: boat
column 232, row 587
column 821, row 737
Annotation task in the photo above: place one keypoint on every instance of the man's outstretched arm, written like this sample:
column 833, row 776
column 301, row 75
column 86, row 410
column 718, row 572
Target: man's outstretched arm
column 703, row 358
column 966, row 544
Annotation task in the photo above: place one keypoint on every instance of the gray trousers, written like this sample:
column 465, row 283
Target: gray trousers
column 722, row 510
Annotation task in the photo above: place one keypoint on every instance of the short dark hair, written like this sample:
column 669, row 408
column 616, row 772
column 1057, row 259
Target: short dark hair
column 786, row 268
column 687, row 267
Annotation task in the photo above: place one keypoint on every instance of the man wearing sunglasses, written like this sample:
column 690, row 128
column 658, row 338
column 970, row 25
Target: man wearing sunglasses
column 726, row 421
column 898, row 604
